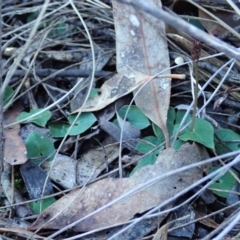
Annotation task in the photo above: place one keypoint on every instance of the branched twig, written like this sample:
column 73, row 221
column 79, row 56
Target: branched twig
column 182, row 25
column 55, row 72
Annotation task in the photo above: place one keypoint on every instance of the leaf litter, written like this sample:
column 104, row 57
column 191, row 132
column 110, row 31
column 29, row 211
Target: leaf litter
column 141, row 52
column 149, row 55
column 80, row 203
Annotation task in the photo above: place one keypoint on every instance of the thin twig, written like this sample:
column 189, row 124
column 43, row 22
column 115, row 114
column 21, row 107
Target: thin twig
column 55, row 72
column 1, row 101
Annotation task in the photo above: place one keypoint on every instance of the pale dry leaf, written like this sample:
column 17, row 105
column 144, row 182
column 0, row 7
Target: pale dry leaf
column 141, row 46
column 63, row 170
column 162, row 232
column 118, row 86
column 70, row 173
column 15, row 152
column 86, row 66
column 207, row 221
column 79, row 203
column 219, row 101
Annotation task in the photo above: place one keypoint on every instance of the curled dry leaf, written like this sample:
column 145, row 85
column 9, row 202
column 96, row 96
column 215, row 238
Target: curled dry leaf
column 219, row 101
column 118, row 86
column 79, row 203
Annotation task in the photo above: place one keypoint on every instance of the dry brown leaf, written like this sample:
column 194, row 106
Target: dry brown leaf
column 15, row 152
column 118, row 86
column 141, row 46
column 209, row 222
column 162, row 232
column 79, row 203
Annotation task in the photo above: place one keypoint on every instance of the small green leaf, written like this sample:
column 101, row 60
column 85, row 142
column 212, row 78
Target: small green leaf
column 203, row 133
column 39, row 146
column 8, row 93
column 171, row 115
column 226, row 140
column 158, row 132
column 40, row 120
column 83, row 123
column 225, row 182
column 148, row 160
column 60, row 30
column 179, row 117
column 38, row 206
column 178, row 144
column 32, row 16
column 195, row 22
column 170, row 125
column 147, row 144
column 58, row 130
column 134, row 117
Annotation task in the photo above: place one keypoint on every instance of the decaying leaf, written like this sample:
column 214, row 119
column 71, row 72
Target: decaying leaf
column 141, row 46
column 118, row 86
column 86, row 65
column 207, row 221
column 183, row 215
column 15, row 150
column 129, row 132
column 79, row 203
column 70, row 173
column 34, row 178
column 162, row 233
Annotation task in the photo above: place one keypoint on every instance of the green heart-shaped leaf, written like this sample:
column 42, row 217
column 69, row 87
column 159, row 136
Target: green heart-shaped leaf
column 40, row 120
column 203, row 133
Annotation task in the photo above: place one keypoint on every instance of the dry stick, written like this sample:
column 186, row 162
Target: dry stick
column 55, row 72
column 196, row 51
column 184, row 26
column 1, row 102
column 195, row 66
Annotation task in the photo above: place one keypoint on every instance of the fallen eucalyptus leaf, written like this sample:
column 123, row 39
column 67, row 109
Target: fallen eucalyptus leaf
column 79, row 203
column 118, row 86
